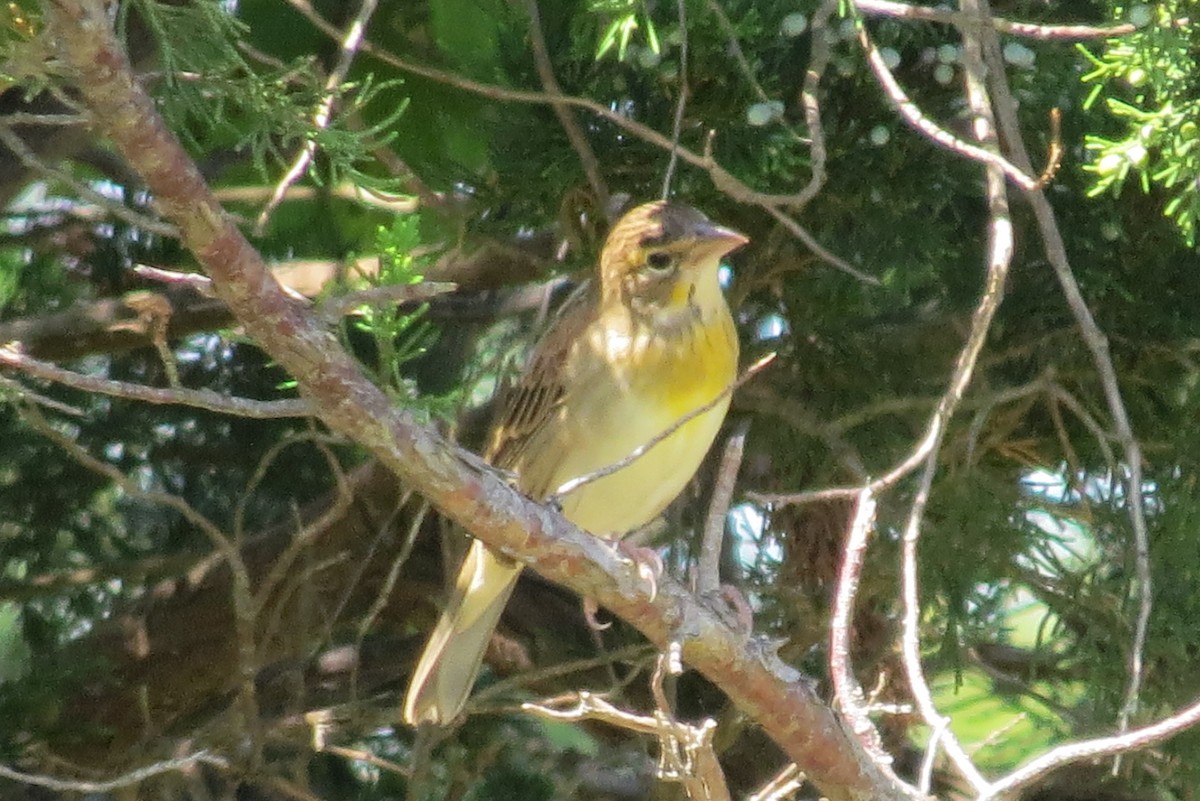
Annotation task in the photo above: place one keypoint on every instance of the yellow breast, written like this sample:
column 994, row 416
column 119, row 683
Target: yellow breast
column 659, row 375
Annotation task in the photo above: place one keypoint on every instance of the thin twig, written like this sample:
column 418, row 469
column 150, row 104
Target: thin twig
column 1097, row 344
column 24, row 392
column 330, row 308
column 818, row 61
column 734, row 48
column 1030, row 30
column 681, row 100
column 779, row 786
column 575, row 134
column 999, row 256
column 198, row 398
column 1060, row 394
column 686, row 751
column 916, row 118
column 801, row 233
column 240, row 588
column 847, row 692
column 1044, row 384
column 124, row 780
column 368, row 758
column 29, row 118
column 383, row 533
column 1038, row 386
column 304, row 534
column 337, row 306
column 800, row 418
column 1091, row 750
column 804, row 498
column 198, row 281
column 925, row 778
column 573, row 484
column 395, row 203
column 527, row 678
column 708, row 565
column 349, row 46
column 384, row 596
column 30, row 159
column 724, row 180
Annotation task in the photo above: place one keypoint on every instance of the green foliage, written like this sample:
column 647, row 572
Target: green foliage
column 625, row 18
column 399, row 331
column 213, row 94
column 475, row 47
column 12, row 263
column 14, row 652
column 1148, row 82
column 979, row 707
column 21, row 55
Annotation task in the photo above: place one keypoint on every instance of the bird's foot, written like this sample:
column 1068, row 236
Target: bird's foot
column 590, row 608
column 648, row 563
column 649, row 567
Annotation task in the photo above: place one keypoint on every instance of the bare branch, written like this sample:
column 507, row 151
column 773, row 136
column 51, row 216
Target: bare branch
column 1097, row 344
column 680, row 100
column 686, row 753
column 541, row 60
column 802, row 498
column 366, row 757
column 24, row 392
column 781, row 786
column 999, row 257
column 30, row 159
column 847, row 691
column 125, row 780
column 29, row 118
column 196, row 281
column 801, row 233
column 198, row 398
column 818, row 60
column 708, row 565
column 1031, row 30
column 347, row 49
column 1092, row 749
column 335, row 307
column 916, row 118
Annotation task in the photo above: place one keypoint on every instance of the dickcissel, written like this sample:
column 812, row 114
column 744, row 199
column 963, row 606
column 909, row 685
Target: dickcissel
column 631, row 354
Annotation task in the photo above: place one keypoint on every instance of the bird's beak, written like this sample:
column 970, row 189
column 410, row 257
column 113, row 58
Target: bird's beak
column 715, row 241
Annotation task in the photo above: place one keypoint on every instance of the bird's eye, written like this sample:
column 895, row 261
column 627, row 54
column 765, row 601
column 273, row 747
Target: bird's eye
column 660, row 261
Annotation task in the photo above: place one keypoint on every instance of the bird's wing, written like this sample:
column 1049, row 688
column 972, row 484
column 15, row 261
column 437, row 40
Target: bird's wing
column 533, row 405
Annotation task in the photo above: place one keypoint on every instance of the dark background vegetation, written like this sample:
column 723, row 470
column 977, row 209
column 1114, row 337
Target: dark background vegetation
column 119, row 617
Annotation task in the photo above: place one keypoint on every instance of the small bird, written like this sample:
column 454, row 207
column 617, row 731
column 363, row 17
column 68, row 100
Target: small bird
column 630, row 354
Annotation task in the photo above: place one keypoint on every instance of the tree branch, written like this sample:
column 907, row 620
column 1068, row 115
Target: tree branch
column 197, row 398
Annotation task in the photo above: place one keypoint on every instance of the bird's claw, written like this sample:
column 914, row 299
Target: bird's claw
column 590, row 608
column 648, row 562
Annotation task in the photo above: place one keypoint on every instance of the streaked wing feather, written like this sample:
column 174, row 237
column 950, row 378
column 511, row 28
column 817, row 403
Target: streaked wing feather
column 531, row 403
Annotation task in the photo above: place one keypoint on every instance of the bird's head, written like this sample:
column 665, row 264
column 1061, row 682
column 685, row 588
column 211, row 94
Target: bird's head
column 664, row 256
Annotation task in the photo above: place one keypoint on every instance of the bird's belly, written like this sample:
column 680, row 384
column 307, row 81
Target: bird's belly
column 635, row 494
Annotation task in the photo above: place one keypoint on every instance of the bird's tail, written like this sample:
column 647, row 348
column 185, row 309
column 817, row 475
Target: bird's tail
column 447, row 668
